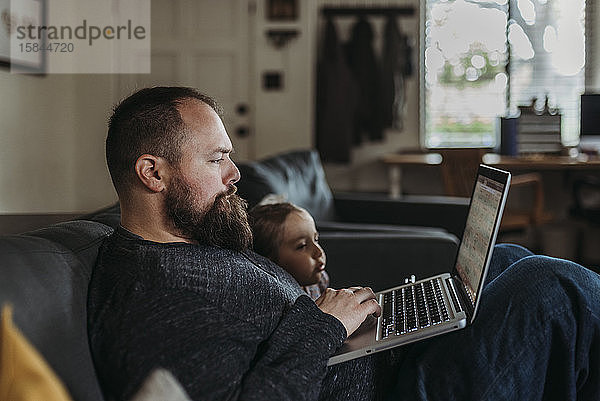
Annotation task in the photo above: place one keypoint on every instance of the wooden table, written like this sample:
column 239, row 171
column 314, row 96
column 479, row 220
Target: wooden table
column 395, row 162
column 542, row 162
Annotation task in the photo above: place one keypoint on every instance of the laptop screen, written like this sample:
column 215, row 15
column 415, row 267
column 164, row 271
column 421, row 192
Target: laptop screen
column 483, row 220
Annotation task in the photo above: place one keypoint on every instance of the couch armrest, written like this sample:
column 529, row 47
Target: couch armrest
column 383, row 260
column 446, row 212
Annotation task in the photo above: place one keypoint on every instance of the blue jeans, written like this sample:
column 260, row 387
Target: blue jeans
column 536, row 337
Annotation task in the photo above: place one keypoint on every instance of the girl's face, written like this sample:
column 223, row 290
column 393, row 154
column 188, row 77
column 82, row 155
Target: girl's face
column 299, row 251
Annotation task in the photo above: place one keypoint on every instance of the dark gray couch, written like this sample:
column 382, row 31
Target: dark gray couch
column 44, row 274
column 299, row 176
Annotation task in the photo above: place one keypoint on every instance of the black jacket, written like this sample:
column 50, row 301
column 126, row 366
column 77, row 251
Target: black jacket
column 336, row 100
column 366, row 69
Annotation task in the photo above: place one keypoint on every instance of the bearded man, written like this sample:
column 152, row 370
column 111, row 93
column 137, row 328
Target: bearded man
column 176, row 287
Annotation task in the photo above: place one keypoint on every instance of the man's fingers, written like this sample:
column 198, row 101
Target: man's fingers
column 350, row 305
column 364, row 294
column 371, row 307
column 367, row 300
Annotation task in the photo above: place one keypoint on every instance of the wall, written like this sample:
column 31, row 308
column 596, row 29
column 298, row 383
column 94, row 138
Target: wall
column 283, row 118
column 52, row 131
column 52, row 128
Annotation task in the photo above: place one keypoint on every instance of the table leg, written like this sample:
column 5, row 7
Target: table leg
column 395, row 177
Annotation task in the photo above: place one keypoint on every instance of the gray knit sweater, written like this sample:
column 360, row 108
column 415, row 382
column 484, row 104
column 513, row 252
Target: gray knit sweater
column 228, row 325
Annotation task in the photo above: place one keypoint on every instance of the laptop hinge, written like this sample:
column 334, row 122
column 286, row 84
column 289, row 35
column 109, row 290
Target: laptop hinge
column 459, row 290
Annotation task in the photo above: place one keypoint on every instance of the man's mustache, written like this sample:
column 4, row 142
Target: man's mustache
column 231, row 189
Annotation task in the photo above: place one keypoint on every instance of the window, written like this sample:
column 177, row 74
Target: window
column 485, row 58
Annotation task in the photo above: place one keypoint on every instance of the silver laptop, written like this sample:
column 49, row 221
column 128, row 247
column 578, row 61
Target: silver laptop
column 442, row 303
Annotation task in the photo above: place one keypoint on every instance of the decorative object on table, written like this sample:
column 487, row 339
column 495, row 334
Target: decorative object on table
column 509, row 127
column 539, row 131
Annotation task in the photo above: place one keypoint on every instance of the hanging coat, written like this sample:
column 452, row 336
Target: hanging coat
column 364, row 64
column 336, row 100
column 396, row 67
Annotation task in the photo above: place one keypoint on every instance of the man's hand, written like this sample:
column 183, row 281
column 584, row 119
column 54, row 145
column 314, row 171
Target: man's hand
column 350, row 306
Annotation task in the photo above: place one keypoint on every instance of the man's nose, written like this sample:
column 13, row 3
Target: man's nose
column 233, row 174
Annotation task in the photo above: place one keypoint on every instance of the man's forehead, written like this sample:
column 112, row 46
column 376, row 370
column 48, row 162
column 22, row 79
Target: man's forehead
column 195, row 110
column 204, row 124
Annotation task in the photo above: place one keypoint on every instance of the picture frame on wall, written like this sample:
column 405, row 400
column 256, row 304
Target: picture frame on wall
column 282, row 10
column 29, row 52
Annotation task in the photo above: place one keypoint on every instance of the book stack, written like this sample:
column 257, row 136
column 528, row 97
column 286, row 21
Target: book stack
column 538, row 133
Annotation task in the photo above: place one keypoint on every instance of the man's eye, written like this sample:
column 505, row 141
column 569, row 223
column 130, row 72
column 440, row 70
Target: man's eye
column 301, row 246
column 217, row 161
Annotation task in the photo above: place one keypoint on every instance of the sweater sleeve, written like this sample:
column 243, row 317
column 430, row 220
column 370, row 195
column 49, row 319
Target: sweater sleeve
column 295, row 356
column 219, row 357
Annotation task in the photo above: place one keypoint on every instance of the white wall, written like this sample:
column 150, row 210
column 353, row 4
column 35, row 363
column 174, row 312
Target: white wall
column 52, row 131
column 284, row 118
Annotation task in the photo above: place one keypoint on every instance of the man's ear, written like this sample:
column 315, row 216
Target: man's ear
column 151, row 171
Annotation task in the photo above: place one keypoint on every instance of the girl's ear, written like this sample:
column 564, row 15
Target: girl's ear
column 151, row 171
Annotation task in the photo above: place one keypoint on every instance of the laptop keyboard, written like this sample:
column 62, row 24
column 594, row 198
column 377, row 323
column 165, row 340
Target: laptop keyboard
column 412, row 308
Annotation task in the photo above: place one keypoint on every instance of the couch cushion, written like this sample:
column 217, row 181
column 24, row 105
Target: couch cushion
column 44, row 274
column 298, row 175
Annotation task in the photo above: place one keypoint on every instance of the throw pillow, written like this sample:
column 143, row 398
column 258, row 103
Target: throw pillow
column 159, row 386
column 24, row 374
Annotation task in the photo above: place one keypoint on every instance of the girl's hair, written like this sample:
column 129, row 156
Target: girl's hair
column 266, row 222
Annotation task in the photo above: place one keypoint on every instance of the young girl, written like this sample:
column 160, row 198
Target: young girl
column 287, row 235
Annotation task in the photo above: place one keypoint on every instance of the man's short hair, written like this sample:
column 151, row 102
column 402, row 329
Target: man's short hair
column 148, row 122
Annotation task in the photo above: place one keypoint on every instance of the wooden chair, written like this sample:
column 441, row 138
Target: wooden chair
column 459, row 168
column 586, row 212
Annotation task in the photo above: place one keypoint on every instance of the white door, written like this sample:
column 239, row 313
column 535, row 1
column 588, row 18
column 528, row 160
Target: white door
column 203, row 44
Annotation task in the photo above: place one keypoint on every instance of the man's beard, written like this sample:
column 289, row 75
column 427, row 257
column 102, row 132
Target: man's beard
column 224, row 224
